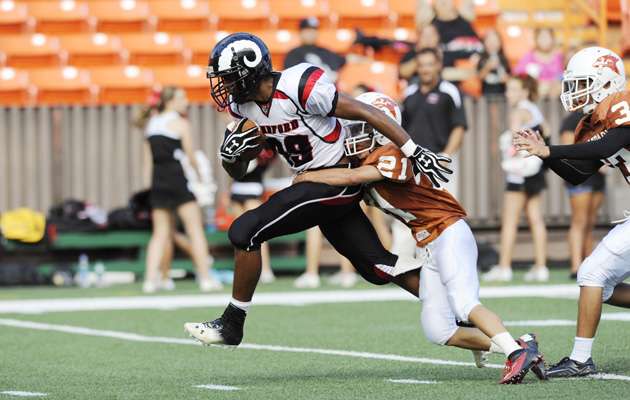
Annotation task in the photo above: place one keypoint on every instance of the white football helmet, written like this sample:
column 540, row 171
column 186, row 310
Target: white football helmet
column 594, row 72
column 362, row 137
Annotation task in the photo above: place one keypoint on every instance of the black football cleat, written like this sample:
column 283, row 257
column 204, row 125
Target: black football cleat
column 569, row 368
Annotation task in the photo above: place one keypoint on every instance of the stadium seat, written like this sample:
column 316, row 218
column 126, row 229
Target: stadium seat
column 362, row 14
column 401, row 41
column 239, row 15
column 287, row 14
column 200, row 44
column 383, row 77
column 92, row 50
column 487, row 13
column 124, row 16
column 149, row 49
column 403, row 12
column 517, row 40
column 338, row 40
column 13, row 18
column 122, row 85
column 14, row 87
column 192, row 78
column 32, row 51
column 614, row 10
column 61, row 86
column 279, row 43
column 472, row 85
column 59, row 17
column 180, row 15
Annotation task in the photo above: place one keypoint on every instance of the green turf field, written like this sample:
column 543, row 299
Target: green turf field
column 337, row 350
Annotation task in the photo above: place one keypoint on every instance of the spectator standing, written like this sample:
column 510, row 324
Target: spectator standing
column 429, row 37
column 525, row 182
column 544, row 63
column 493, row 67
column 169, row 136
column 309, row 52
column 458, row 39
column 585, row 200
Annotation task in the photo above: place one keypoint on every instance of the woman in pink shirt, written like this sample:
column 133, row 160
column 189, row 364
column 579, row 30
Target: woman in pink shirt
column 544, row 63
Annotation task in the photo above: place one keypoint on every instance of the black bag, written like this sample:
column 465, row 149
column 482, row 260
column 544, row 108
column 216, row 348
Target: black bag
column 70, row 217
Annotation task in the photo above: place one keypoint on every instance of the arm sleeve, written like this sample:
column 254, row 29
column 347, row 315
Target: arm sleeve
column 605, row 147
column 574, row 172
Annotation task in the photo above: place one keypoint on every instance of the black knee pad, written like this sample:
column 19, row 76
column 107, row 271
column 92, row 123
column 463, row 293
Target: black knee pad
column 241, row 232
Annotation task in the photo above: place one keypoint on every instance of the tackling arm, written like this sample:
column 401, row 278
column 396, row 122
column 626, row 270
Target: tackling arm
column 341, row 177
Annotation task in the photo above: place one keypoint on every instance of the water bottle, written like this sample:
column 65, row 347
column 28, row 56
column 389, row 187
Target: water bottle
column 84, row 271
column 99, row 270
column 210, row 219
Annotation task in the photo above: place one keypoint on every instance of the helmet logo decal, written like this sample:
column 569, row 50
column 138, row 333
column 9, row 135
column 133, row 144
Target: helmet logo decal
column 247, row 46
column 386, row 102
column 608, row 60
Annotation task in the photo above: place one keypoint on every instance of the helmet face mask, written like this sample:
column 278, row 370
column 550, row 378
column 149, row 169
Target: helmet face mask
column 237, row 65
column 591, row 75
column 362, row 137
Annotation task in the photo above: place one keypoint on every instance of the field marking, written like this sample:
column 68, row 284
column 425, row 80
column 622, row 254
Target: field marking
column 412, row 381
column 23, row 394
column 218, row 387
column 156, row 339
column 302, row 298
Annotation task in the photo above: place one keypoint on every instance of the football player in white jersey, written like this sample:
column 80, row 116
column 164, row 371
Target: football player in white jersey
column 297, row 110
column 594, row 83
column 449, row 285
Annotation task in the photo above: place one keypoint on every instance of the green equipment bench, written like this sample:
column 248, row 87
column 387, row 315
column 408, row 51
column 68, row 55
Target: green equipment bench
column 293, row 258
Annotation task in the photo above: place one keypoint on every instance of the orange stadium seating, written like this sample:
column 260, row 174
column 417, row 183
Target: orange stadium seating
column 403, row 12
column 338, row 40
column 180, row 15
column 60, row 86
column 149, row 49
column 359, row 14
column 239, row 15
column 199, row 45
column 287, row 14
column 92, row 50
column 279, row 43
column 30, row 51
column 127, row 85
column 517, row 40
column 383, row 77
column 14, row 87
column 13, row 18
column 123, row 16
column 192, row 78
column 55, row 17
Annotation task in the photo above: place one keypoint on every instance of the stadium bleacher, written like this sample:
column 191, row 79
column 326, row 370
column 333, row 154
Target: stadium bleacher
column 90, row 34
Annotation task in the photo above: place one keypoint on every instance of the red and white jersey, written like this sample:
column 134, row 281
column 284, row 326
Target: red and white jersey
column 427, row 211
column 297, row 121
column 612, row 112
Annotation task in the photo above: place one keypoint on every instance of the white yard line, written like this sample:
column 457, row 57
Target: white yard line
column 218, row 387
column 414, row 381
column 155, row 339
column 260, row 299
column 23, row 394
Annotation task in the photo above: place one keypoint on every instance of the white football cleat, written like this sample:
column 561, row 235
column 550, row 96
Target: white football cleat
column 481, row 357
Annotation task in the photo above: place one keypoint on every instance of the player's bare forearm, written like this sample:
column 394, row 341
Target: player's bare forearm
column 354, row 110
column 340, row 176
column 236, row 170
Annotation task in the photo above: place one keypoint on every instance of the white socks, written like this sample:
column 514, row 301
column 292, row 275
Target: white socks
column 494, row 349
column 506, row 342
column 582, row 349
column 243, row 305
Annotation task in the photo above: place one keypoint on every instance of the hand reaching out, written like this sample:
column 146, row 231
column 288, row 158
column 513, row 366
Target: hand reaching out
column 531, row 142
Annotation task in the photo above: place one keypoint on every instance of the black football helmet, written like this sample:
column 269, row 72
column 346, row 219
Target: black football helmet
column 236, row 66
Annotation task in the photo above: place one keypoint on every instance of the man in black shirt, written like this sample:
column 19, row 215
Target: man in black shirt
column 309, row 52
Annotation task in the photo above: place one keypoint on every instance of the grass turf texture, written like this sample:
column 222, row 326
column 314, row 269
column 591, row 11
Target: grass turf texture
column 73, row 366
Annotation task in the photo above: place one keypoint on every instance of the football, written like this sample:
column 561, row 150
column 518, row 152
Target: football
column 252, row 153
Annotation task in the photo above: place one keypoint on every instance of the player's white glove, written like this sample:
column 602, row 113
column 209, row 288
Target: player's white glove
column 427, row 162
column 236, row 141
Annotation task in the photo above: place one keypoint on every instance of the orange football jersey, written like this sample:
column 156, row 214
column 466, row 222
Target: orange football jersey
column 612, row 112
column 427, row 211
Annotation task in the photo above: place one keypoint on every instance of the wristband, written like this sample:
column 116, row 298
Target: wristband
column 409, row 148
